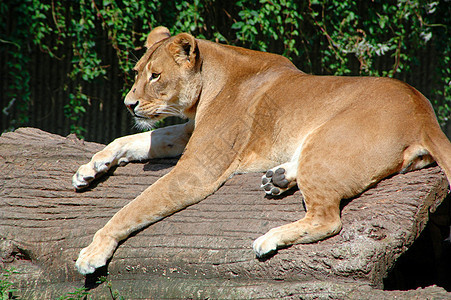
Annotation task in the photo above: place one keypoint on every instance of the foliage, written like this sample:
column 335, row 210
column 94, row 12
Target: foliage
column 114, row 294
column 82, row 293
column 7, row 289
column 77, row 294
column 6, row 285
column 347, row 37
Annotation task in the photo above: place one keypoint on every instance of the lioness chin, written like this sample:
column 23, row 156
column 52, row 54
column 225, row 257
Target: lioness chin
column 251, row 111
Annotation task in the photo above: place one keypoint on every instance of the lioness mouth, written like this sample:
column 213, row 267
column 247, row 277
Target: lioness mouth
column 141, row 117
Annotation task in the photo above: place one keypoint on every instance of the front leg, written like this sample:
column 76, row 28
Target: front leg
column 164, row 142
column 189, row 182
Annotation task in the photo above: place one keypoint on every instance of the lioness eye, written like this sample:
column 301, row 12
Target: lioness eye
column 155, row 76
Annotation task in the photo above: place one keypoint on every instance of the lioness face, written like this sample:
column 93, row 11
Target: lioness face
column 167, row 82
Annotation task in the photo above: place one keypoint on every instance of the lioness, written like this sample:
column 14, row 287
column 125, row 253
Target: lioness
column 251, row 111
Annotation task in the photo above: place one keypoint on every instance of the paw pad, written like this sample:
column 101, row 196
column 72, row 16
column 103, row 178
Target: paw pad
column 274, row 182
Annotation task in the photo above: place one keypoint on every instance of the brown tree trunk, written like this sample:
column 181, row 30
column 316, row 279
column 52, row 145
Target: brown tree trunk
column 204, row 250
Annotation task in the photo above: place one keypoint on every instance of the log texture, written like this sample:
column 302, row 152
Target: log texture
column 204, row 251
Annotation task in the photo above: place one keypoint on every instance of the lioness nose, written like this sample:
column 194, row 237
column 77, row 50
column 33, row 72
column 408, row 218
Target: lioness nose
column 131, row 106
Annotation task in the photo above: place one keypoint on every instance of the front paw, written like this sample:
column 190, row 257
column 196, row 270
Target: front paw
column 265, row 245
column 88, row 172
column 85, row 174
column 95, row 255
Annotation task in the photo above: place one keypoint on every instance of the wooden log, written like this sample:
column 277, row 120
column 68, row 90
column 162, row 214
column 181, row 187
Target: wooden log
column 204, row 250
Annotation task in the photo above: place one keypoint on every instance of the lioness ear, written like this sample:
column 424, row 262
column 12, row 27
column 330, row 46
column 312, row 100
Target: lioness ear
column 184, row 50
column 156, row 35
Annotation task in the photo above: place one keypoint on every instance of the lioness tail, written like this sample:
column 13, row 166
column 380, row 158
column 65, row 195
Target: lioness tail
column 438, row 145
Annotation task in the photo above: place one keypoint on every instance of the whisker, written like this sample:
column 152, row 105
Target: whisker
column 144, row 125
column 173, row 112
column 169, row 109
column 134, row 59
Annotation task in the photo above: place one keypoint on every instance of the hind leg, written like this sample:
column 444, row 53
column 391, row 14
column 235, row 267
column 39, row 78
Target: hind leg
column 338, row 161
column 321, row 221
column 323, row 209
column 280, row 179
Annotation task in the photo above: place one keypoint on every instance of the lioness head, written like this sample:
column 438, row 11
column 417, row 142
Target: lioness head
column 168, row 81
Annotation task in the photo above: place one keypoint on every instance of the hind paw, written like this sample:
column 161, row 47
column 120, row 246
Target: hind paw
column 277, row 181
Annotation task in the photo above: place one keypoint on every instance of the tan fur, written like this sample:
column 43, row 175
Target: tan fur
column 254, row 111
